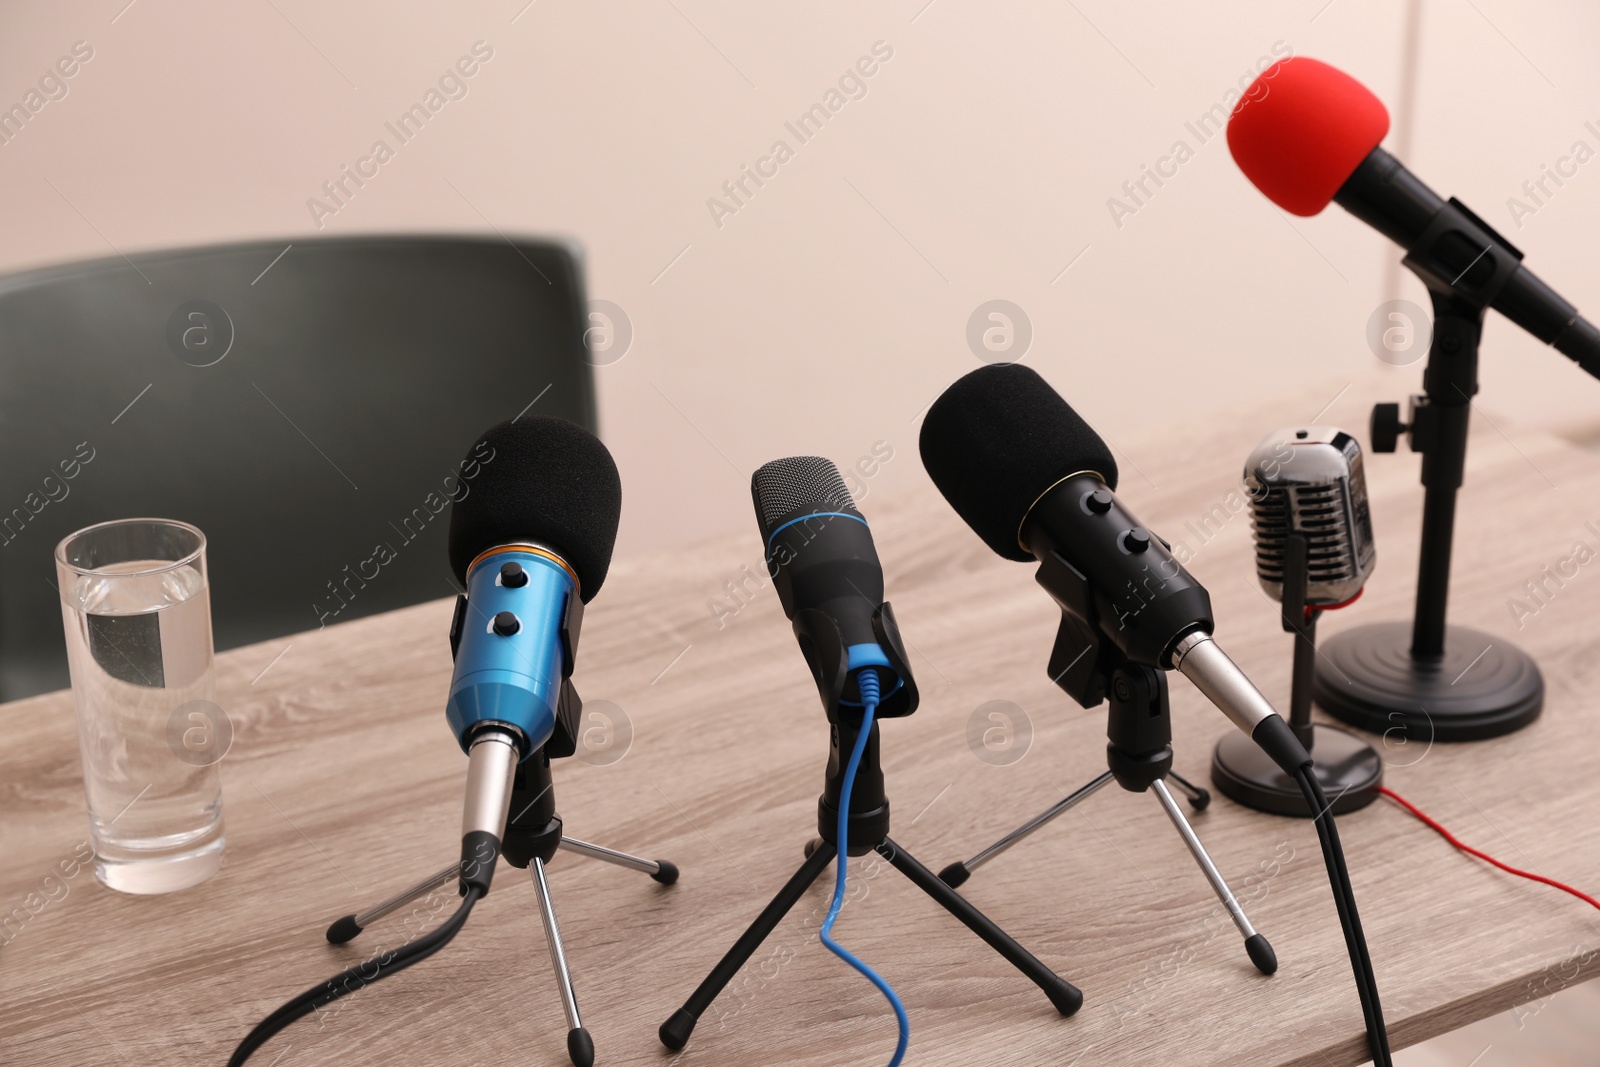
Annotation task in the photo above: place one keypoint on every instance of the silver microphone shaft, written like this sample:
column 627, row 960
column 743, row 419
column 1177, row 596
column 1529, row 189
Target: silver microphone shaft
column 491, row 771
column 1198, row 658
column 491, row 765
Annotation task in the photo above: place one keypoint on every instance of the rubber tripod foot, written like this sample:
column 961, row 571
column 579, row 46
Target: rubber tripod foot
column 1201, row 799
column 674, row 1033
column 580, row 1046
column 1067, row 997
column 668, row 874
column 955, row 875
column 342, row 930
column 1261, row 953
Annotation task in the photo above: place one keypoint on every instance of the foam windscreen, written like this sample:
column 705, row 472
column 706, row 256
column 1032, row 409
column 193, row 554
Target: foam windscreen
column 996, row 440
column 542, row 480
column 1301, row 129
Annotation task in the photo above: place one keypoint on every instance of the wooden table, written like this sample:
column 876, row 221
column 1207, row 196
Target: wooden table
column 343, row 785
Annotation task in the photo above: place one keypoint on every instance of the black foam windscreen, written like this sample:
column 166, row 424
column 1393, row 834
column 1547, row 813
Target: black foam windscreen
column 996, row 440
column 542, row 480
column 787, row 486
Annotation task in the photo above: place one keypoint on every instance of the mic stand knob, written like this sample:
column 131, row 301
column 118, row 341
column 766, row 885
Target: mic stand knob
column 1387, row 427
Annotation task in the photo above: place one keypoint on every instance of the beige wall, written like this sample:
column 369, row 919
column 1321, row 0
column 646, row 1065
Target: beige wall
column 831, row 308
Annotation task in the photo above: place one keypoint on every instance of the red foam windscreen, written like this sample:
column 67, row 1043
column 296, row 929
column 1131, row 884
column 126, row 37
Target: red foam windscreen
column 1301, row 129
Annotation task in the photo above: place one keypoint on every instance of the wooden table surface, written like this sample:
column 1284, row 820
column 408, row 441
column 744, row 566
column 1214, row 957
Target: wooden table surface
column 343, row 785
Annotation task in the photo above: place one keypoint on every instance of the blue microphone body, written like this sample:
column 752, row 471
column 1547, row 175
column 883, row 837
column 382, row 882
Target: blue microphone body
column 509, row 660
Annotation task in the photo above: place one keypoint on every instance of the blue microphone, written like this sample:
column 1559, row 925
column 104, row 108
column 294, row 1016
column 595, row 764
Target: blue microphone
column 508, row 670
column 530, row 541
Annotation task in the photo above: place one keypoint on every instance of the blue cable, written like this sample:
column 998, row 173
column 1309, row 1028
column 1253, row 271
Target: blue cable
column 867, row 683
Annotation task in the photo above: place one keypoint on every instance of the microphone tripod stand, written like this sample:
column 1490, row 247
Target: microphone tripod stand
column 1438, row 682
column 532, row 836
column 1139, row 758
column 1348, row 769
column 868, row 828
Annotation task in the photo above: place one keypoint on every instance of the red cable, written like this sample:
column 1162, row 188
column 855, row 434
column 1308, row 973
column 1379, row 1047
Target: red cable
column 1464, row 847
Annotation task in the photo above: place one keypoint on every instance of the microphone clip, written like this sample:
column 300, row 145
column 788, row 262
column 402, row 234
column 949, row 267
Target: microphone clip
column 829, row 660
column 1082, row 661
column 1462, row 256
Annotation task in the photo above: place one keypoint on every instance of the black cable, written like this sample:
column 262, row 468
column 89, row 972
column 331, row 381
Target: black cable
column 1345, row 900
column 349, row 981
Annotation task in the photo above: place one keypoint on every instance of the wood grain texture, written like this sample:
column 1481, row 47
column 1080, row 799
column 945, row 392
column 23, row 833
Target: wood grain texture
column 343, row 785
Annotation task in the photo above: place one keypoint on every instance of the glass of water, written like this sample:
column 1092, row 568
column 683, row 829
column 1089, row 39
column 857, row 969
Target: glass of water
column 137, row 611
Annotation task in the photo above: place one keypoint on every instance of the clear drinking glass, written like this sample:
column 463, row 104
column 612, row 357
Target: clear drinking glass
column 137, row 611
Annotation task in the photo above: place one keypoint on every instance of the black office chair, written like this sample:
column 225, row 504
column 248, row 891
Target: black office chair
column 308, row 410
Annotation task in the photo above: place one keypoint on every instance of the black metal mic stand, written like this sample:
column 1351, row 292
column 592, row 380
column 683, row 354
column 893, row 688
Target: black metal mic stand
column 868, row 827
column 1138, row 755
column 533, row 834
column 1347, row 767
column 1439, row 682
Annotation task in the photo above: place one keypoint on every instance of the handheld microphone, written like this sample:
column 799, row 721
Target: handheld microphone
column 531, row 545
column 1035, row 483
column 1311, row 481
column 1306, row 133
column 822, row 561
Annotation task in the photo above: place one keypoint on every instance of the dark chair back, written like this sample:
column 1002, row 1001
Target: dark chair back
column 308, row 409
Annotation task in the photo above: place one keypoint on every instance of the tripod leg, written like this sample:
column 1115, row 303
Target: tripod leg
column 1199, row 796
column 580, row 1046
column 1063, row 994
column 957, row 873
column 662, row 871
column 675, row 1031
column 349, row 926
column 1260, row 950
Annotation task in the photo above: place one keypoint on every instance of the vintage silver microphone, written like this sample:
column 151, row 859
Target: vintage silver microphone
column 1309, row 480
column 1314, row 553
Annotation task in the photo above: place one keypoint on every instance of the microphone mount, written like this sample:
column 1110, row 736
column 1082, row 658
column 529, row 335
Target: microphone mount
column 828, row 657
column 1092, row 669
column 1347, row 767
column 1446, row 683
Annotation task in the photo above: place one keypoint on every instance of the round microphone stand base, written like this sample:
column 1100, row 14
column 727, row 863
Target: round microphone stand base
column 1348, row 769
column 1481, row 687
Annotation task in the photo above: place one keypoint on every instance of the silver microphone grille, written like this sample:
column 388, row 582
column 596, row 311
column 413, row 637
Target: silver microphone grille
column 1309, row 480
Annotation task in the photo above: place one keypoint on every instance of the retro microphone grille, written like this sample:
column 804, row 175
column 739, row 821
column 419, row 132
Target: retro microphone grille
column 797, row 483
column 1314, row 487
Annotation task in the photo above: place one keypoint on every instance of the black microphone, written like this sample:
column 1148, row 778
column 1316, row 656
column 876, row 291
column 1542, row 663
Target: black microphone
column 822, row 561
column 1035, row 483
column 1306, row 132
